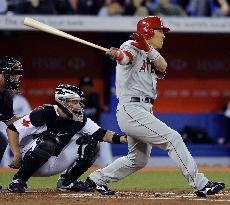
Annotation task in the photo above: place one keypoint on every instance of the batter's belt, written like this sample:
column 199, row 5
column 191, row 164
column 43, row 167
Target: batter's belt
column 137, row 99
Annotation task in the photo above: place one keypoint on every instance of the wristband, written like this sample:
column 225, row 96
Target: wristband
column 124, row 60
column 153, row 54
column 116, row 138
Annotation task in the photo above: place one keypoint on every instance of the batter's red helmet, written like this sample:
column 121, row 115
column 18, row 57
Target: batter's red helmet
column 147, row 25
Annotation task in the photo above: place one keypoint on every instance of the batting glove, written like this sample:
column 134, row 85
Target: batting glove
column 140, row 42
column 118, row 55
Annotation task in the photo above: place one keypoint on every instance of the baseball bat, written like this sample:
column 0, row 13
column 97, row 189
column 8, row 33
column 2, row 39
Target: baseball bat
column 46, row 28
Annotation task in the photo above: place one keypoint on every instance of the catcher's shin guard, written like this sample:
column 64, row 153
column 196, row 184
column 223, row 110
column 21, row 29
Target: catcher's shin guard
column 76, row 186
column 35, row 158
column 87, row 156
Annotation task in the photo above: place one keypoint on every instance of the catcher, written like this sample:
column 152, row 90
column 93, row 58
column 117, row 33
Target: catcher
column 54, row 139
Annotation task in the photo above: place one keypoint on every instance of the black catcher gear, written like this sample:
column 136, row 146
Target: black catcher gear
column 65, row 93
column 88, row 152
column 17, row 186
column 35, row 158
column 11, row 69
column 76, row 186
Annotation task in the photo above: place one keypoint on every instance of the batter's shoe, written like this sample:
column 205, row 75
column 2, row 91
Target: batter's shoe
column 103, row 189
column 211, row 188
column 17, row 186
column 75, row 186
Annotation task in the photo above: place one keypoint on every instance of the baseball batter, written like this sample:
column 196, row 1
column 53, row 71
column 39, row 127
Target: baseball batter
column 139, row 66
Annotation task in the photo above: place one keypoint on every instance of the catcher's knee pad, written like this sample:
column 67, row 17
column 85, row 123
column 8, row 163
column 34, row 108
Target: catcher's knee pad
column 35, row 158
column 90, row 152
column 45, row 148
column 87, row 156
column 42, row 152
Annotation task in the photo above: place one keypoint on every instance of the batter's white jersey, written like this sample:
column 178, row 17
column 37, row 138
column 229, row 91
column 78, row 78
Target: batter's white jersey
column 138, row 78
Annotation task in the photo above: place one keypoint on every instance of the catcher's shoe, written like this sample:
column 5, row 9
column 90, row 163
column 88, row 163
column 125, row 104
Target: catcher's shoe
column 17, row 186
column 211, row 188
column 103, row 189
column 75, row 186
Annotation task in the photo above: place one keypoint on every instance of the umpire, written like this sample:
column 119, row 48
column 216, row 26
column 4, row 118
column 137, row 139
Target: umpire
column 10, row 73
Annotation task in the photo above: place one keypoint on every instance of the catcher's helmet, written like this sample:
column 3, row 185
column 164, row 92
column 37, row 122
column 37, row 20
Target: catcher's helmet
column 64, row 93
column 147, row 25
column 11, row 69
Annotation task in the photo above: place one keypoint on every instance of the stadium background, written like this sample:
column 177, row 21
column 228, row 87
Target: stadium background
column 194, row 92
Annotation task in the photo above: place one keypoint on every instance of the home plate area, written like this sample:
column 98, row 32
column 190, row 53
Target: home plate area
column 131, row 197
column 223, row 196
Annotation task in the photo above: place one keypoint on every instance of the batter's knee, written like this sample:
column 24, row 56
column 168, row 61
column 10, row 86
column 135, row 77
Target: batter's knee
column 174, row 140
column 177, row 137
column 137, row 161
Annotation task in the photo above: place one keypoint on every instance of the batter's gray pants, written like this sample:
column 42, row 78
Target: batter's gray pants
column 144, row 131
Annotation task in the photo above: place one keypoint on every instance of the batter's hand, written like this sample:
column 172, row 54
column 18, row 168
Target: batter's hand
column 16, row 162
column 140, row 42
column 115, row 54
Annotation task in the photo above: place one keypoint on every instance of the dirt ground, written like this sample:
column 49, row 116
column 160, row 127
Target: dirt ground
column 129, row 197
column 135, row 197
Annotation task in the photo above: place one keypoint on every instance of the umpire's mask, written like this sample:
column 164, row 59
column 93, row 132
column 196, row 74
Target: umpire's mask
column 11, row 70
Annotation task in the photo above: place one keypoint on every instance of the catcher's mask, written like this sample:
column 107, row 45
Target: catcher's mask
column 65, row 93
column 11, row 70
column 147, row 25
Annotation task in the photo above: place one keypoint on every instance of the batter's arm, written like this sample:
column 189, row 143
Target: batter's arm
column 122, row 57
column 160, row 64
column 154, row 56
